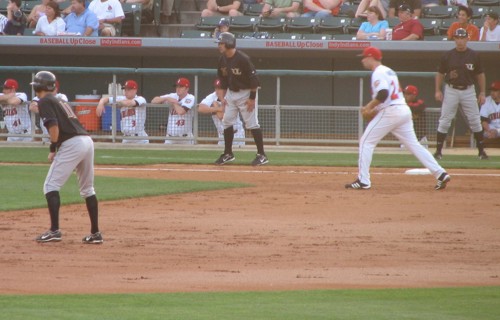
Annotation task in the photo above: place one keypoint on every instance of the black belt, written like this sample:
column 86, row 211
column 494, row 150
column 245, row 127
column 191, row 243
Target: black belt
column 458, row 87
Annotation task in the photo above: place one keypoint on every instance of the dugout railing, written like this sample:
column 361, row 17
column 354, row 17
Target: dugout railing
column 282, row 124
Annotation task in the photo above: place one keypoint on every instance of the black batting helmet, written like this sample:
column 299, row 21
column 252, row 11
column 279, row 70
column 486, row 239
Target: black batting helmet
column 228, row 39
column 44, row 80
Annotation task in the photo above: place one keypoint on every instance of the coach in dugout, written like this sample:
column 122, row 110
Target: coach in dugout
column 81, row 21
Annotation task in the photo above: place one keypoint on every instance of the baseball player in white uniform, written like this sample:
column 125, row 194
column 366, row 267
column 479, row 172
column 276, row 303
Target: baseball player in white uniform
column 213, row 104
column 180, row 119
column 490, row 112
column 132, row 112
column 34, row 108
column 394, row 116
column 15, row 111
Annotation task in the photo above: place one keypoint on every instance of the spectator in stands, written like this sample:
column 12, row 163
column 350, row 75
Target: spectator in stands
column 415, row 5
column 109, row 13
column 3, row 22
column 281, row 8
column 223, row 7
column 222, row 27
column 81, row 21
column 464, row 15
column 408, row 28
column 490, row 112
column 457, row 3
column 51, row 24
column 431, row 3
column 16, row 19
column 320, row 9
column 36, row 13
column 490, row 31
column 362, row 11
column 375, row 27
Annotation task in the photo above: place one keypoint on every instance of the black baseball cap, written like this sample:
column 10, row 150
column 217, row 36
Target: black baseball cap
column 405, row 7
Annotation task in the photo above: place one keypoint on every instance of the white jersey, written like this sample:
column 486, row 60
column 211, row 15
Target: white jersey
column 180, row 125
column 491, row 35
column 106, row 10
column 385, row 78
column 17, row 118
column 491, row 110
column 239, row 132
column 133, row 119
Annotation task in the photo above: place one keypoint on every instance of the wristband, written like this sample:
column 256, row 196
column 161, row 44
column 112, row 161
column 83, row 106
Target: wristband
column 253, row 94
column 53, row 147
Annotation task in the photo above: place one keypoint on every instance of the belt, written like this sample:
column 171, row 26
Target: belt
column 459, row 87
column 184, row 135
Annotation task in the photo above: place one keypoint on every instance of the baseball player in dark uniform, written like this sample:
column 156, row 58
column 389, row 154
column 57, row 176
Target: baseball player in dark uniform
column 459, row 68
column 239, row 78
column 70, row 148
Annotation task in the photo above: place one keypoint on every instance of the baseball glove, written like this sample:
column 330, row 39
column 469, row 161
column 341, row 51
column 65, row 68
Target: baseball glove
column 368, row 114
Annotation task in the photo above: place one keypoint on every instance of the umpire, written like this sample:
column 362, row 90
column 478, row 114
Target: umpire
column 459, row 68
column 240, row 82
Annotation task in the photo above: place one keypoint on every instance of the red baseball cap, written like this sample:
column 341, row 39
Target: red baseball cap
column 130, row 84
column 372, row 52
column 495, row 86
column 217, row 83
column 182, row 82
column 411, row 90
column 10, row 84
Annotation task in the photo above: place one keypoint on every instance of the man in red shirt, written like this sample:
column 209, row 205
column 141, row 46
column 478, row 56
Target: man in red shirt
column 409, row 28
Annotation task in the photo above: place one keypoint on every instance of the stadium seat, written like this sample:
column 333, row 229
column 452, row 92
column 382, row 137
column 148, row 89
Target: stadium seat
column 445, row 25
column 333, row 25
column 209, row 23
column 243, row 23
column 64, row 4
column 287, row 36
column 479, row 11
column 354, row 25
column 431, row 25
column 439, row 12
column 157, row 12
column 262, row 35
column 272, row 24
column 348, row 10
column 254, row 9
column 131, row 24
column 489, row 3
column 27, row 6
column 29, row 31
column 344, row 37
column 245, row 35
column 478, row 22
column 301, row 24
column 316, row 36
column 195, row 34
column 3, row 7
column 392, row 22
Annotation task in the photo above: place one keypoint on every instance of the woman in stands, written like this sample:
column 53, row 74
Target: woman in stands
column 375, row 27
column 51, row 24
column 36, row 13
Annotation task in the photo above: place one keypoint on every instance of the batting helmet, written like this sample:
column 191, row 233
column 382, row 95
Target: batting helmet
column 228, row 39
column 44, row 80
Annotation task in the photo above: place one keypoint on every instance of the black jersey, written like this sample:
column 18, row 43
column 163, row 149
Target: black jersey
column 237, row 72
column 54, row 111
column 460, row 67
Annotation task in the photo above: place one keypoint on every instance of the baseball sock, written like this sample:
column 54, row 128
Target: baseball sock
column 53, row 203
column 259, row 140
column 479, row 136
column 228, row 140
column 440, row 141
column 92, row 208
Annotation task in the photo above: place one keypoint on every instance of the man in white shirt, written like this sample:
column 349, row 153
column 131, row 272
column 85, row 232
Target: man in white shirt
column 109, row 13
column 490, row 31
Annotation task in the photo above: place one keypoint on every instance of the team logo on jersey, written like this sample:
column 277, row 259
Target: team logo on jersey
column 236, row 71
column 188, row 100
column 469, row 66
column 376, row 83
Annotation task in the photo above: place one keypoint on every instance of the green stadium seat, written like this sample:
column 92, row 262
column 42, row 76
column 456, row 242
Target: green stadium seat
column 302, row 24
column 276, row 25
column 198, row 34
column 333, row 25
column 209, row 23
column 243, row 23
column 287, row 36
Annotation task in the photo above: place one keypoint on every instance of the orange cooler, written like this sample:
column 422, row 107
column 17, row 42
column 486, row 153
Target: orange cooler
column 86, row 114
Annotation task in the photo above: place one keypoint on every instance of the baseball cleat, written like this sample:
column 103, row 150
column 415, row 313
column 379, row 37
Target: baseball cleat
column 483, row 156
column 438, row 155
column 443, row 179
column 357, row 185
column 95, row 238
column 225, row 158
column 49, row 236
column 260, row 160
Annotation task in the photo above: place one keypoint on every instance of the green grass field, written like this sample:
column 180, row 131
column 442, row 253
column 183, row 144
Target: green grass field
column 22, row 189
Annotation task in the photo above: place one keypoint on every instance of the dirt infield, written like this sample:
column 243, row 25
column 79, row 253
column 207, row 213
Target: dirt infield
column 295, row 228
